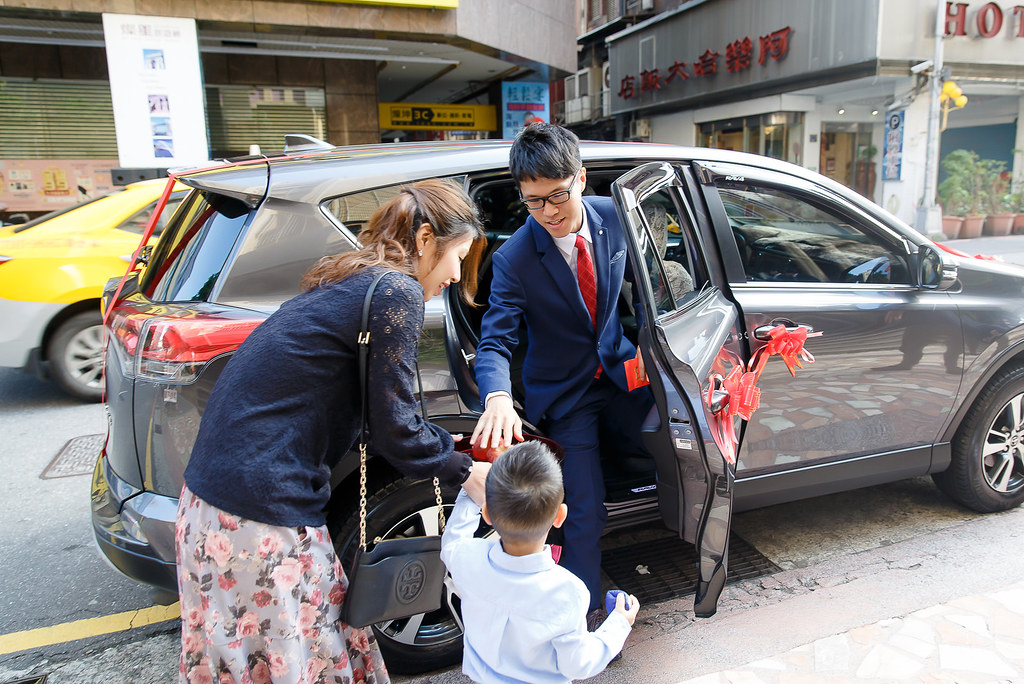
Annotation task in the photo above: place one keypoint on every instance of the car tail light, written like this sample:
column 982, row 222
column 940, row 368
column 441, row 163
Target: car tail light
column 173, row 348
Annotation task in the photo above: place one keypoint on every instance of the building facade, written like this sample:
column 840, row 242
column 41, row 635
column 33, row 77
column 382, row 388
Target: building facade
column 837, row 87
column 268, row 67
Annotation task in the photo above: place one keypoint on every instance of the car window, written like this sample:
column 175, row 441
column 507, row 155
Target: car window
column 191, row 253
column 673, row 257
column 786, row 236
column 355, row 210
column 137, row 222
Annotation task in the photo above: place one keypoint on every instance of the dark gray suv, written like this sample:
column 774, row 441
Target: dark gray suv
column 919, row 370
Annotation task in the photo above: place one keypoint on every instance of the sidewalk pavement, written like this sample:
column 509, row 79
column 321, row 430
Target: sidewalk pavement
column 976, row 638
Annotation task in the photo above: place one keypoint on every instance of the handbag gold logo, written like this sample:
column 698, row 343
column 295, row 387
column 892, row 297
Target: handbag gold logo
column 410, row 581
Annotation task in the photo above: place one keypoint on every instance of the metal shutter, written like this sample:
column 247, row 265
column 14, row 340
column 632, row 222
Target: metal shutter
column 56, row 120
column 240, row 116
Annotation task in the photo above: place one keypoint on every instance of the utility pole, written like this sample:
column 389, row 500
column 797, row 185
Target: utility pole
column 929, row 214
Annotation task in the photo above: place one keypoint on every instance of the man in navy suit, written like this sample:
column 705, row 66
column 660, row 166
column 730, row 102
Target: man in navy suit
column 573, row 376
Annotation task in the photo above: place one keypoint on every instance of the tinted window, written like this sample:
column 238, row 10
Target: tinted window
column 193, row 249
column 784, row 236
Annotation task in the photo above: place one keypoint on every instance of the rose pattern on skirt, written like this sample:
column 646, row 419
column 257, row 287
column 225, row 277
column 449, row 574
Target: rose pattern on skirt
column 260, row 604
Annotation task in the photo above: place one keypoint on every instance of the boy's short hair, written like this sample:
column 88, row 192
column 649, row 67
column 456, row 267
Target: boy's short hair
column 544, row 151
column 524, row 491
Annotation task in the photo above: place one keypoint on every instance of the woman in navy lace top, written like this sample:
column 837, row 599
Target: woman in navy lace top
column 259, row 582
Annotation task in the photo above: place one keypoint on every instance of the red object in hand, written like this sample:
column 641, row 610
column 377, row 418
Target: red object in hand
column 490, row 453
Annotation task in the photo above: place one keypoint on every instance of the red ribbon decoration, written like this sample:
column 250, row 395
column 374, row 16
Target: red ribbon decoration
column 742, row 395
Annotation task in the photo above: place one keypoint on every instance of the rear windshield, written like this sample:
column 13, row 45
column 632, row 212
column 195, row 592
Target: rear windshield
column 194, row 248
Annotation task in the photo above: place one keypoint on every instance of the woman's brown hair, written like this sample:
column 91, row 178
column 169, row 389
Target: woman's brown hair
column 389, row 237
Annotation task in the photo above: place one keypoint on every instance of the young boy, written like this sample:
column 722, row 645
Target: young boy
column 524, row 616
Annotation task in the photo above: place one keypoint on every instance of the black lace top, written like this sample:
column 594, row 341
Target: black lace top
column 286, row 407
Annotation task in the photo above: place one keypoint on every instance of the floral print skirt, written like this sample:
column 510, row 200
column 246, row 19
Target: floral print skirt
column 260, row 603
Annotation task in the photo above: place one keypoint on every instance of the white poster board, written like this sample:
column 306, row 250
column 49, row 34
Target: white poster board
column 157, row 91
column 522, row 103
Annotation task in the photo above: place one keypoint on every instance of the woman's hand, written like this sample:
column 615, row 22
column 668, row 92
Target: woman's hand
column 476, row 482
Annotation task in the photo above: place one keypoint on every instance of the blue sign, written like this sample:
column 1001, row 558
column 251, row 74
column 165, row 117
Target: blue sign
column 521, row 105
column 892, row 152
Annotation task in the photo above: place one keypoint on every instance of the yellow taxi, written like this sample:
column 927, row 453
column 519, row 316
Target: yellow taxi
column 52, row 272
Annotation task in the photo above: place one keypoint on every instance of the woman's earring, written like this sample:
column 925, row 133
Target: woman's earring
column 420, row 253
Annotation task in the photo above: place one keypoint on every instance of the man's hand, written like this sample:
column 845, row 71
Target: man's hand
column 475, row 484
column 499, row 424
column 641, row 372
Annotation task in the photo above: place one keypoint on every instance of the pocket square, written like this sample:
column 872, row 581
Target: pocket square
column 618, row 255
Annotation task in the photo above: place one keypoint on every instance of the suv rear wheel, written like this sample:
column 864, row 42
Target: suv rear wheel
column 404, row 508
column 987, row 470
column 75, row 352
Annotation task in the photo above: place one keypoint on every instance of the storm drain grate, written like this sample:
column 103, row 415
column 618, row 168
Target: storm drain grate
column 77, row 457
column 667, row 568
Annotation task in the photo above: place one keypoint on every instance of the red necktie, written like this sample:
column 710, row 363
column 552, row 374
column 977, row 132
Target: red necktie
column 588, row 285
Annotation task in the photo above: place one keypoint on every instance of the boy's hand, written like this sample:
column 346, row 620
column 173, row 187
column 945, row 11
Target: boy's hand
column 476, row 484
column 634, row 607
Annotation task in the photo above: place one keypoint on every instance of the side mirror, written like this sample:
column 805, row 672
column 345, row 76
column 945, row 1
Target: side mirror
column 936, row 270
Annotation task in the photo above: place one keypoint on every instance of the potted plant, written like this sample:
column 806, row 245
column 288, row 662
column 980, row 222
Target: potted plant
column 999, row 220
column 966, row 189
column 1015, row 203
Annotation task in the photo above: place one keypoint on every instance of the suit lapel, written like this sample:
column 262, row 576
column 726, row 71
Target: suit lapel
column 554, row 262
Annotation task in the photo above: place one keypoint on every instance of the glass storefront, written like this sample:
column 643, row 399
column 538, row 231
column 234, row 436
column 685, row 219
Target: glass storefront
column 777, row 135
column 847, row 155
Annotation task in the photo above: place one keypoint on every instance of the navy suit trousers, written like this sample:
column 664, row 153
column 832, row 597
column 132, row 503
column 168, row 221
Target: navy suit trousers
column 604, row 413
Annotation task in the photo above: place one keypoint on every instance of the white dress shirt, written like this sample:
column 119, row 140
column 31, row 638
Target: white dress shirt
column 525, row 617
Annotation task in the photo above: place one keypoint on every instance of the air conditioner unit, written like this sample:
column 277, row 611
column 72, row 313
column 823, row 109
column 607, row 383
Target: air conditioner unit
column 646, row 4
column 640, row 128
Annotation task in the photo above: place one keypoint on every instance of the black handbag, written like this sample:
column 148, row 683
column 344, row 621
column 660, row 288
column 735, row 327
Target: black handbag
column 393, row 578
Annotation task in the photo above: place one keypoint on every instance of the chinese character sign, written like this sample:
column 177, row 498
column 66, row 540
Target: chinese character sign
column 739, row 56
column 521, row 105
column 892, row 150
column 156, row 89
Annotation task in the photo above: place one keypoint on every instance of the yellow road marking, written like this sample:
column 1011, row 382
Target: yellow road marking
column 80, row 629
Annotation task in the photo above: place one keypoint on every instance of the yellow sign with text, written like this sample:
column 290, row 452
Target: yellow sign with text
column 427, row 4
column 410, row 116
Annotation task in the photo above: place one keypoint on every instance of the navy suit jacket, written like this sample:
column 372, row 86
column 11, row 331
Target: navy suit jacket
column 532, row 283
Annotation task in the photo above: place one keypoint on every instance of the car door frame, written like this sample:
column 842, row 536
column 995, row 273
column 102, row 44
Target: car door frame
column 695, row 480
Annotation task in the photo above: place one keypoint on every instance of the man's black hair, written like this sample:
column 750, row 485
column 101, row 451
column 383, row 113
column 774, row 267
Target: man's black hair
column 544, row 151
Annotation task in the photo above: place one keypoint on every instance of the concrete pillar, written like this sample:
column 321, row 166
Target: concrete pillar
column 903, row 197
column 351, row 90
column 812, row 140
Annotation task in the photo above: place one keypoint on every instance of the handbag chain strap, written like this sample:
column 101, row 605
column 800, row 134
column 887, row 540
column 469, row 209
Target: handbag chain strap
column 364, row 351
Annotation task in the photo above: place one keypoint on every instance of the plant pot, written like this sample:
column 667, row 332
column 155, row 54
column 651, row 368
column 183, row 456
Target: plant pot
column 971, row 227
column 1018, row 224
column 951, row 226
column 998, row 224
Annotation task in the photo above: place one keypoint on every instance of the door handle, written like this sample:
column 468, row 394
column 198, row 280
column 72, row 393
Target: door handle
column 762, row 332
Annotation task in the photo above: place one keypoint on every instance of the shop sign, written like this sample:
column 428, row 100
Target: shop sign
column 988, row 20
column 523, row 103
column 156, row 89
column 739, row 56
column 411, row 116
column 426, row 4
column 892, row 146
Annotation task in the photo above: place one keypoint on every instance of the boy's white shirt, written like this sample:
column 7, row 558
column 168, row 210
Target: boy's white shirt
column 524, row 616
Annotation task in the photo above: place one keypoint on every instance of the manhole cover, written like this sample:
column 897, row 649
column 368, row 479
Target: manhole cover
column 667, row 568
column 77, row 457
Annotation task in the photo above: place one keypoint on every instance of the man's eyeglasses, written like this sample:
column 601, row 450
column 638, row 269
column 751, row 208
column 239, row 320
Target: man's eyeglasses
column 560, row 197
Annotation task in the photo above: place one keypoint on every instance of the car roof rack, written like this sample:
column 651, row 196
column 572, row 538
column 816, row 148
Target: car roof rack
column 300, row 142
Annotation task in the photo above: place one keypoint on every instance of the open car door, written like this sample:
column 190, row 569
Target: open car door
column 689, row 336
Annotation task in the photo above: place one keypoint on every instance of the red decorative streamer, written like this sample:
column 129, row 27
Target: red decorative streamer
column 737, row 394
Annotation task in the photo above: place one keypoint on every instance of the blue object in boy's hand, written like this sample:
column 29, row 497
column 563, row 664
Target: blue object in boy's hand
column 609, row 600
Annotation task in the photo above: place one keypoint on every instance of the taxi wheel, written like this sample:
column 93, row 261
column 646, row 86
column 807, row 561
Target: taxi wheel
column 75, row 353
column 987, row 470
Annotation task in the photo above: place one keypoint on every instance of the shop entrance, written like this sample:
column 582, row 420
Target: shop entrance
column 847, row 155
